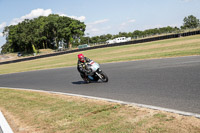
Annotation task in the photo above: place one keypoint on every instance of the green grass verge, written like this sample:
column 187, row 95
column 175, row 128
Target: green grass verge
column 45, row 112
column 184, row 46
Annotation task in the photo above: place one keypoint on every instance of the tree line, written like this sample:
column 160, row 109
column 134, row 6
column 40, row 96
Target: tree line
column 189, row 22
column 54, row 31
column 134, row 35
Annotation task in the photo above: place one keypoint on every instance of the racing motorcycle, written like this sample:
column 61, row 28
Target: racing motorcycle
column 94, row 73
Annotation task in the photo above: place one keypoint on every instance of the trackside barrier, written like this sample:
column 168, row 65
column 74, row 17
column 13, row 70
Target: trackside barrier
column 109, row 45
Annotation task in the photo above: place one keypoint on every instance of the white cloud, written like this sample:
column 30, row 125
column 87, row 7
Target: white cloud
column 128, row 22
column 33, row 14
column 125, row 24
column 186, row 0
column 131, row 21
column 2, row 25
column 1, row 34
column 96, row 28
column 81, row 18
column 96, row 31
column 42, row 12
column 62, row 14
column 98, row 22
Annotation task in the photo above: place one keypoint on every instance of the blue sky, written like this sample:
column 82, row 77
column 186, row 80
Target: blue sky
column 102, row 16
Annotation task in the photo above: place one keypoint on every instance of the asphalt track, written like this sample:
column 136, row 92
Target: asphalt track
column 172, row 83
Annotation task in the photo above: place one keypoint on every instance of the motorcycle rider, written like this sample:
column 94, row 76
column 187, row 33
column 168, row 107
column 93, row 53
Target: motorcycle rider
column 82, row 66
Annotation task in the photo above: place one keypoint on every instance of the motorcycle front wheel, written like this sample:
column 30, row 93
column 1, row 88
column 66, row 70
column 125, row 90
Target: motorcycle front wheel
column 104, row 77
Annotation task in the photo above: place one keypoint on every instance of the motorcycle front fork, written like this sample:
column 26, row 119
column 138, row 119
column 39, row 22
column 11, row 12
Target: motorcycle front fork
column 97, row 73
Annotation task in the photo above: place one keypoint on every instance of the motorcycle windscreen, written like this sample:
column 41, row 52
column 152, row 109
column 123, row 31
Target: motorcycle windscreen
column 95, row 66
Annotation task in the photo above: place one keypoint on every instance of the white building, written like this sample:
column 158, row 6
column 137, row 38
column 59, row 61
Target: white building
column 118, row 40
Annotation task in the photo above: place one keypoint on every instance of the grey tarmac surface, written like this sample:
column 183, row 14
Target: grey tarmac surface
column 172, row 83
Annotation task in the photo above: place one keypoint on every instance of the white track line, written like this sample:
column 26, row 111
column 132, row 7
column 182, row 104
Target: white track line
column 4, row 126
column 117, row 101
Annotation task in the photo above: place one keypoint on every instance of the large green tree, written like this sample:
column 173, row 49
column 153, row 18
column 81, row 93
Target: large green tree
column 42, row 32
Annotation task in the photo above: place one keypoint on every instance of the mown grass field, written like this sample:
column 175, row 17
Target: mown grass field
column 38, row 112
column 184, row 46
